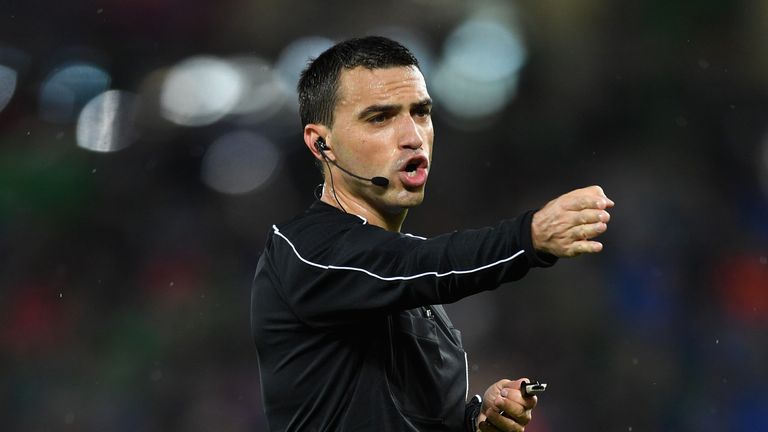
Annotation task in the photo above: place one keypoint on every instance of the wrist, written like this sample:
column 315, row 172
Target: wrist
column 472, row 412
column 538, row 255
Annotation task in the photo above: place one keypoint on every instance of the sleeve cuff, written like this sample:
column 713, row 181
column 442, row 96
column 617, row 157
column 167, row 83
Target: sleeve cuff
column 471, row 412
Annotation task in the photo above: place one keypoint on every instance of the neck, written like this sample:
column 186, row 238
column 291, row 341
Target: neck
column 358, row 206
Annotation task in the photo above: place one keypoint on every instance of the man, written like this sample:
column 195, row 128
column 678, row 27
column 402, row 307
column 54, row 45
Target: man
column 345, row 309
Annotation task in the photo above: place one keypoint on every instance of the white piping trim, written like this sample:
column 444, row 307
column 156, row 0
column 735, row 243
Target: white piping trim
column 415, row 236
column 393, row 278
column 466, row 371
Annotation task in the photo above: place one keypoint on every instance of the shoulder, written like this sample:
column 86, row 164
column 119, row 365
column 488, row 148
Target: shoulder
column 326, row 234
column 318, row 220
column 315, row 229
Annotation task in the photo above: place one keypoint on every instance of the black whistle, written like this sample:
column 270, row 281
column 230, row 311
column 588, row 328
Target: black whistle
column 529, row 389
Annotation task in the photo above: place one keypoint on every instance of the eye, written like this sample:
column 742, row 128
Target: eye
column 378, row 118
column 423, row 111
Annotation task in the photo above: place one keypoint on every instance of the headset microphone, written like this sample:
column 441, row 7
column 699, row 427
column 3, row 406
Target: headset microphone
column 322, row 147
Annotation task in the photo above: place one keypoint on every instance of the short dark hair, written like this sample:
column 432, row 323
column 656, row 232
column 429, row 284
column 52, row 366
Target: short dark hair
column 319, row 82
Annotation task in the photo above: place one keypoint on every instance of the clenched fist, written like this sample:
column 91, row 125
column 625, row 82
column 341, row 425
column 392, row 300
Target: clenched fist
column 566, row 226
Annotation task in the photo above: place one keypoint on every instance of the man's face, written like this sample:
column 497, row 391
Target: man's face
column 383, row 127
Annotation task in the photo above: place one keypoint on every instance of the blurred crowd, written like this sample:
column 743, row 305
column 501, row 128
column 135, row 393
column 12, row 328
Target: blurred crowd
column 147, row 147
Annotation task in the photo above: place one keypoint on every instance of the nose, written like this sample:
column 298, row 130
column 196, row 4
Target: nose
column 410, row 134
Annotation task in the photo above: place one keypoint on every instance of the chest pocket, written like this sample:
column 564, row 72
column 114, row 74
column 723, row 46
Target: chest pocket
column 416, row 367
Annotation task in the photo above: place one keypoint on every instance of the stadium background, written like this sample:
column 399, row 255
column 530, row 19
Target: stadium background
column 147, row 146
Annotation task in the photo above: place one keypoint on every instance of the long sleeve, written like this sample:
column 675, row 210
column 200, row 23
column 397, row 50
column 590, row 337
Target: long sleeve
column 333, row 273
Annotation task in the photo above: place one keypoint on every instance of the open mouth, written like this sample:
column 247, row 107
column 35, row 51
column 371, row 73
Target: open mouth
column 414, row 164
column 411, row 168
column 414, row 171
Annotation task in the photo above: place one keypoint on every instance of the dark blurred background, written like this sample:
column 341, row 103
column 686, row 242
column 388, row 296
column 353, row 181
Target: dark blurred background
column 146, row 147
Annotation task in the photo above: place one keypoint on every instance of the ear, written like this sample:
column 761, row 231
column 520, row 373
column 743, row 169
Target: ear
column 312, row 132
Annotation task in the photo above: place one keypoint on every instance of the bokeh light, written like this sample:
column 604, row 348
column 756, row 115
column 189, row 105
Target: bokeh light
column 8, row 78
column 107, row 123
column 68, row 88
column 13, row 62
column 262, row 94
column 293, row 59
column 477, row 76
column 200, row 91
column 743, row 283
column 239, row 162
column 415, row 43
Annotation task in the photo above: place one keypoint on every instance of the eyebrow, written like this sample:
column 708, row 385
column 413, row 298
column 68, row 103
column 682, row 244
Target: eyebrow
column 375, row 109
column 424, row 103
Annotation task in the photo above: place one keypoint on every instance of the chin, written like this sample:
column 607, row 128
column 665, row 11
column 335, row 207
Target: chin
column 411, row 199
column 404, row 200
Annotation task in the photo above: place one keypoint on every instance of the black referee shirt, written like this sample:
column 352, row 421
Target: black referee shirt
column 347, row 324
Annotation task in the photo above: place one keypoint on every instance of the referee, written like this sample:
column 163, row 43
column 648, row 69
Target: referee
column 345, row 309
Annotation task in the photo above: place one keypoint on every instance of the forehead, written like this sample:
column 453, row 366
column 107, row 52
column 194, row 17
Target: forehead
column 362, row 86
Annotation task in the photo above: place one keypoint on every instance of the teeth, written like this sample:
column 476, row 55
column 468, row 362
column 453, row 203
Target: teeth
column 411, row 173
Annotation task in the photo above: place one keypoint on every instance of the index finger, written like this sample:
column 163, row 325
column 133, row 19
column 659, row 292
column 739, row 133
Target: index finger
column 600, row 192
column 586, row 201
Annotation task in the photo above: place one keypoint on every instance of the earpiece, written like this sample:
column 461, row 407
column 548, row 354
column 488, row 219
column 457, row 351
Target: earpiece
column 320, row 144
